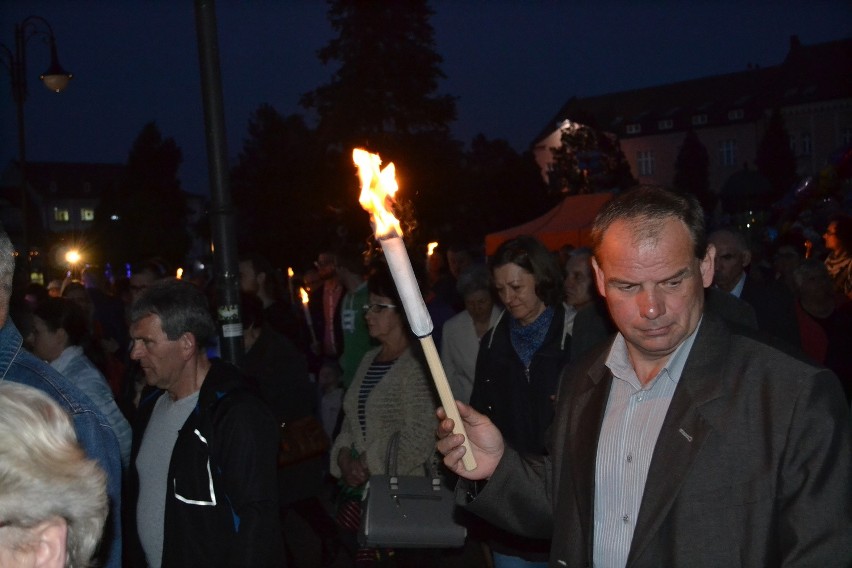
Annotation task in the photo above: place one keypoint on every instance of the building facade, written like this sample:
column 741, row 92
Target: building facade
column 812, row 89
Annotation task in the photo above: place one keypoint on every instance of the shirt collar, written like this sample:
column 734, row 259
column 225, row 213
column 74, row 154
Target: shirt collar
column 618, row 360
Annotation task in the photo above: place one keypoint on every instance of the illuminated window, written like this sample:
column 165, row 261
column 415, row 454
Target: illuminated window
column 735, row 114
column 634, row 128
column 699, row 119
column 645, row 161
column 87, row 214
column 728, row 152
column 666, row 124
column 61, row 215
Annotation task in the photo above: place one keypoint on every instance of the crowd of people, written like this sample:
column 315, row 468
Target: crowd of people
column 667, row 396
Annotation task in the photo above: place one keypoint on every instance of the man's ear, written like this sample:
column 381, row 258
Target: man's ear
column 707, row 265
column 599, row 277
column 746, row 257
column 50, row 538
column 187, row 344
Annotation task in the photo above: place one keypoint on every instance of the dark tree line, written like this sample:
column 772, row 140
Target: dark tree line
column 294, row 186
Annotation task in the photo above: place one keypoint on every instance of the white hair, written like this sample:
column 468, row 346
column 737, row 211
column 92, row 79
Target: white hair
column 7, row 261
column 45, row 474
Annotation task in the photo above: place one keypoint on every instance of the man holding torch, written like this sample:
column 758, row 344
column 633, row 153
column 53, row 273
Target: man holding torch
column 682, row 442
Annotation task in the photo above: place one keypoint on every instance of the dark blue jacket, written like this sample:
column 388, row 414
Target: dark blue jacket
column 93, row 430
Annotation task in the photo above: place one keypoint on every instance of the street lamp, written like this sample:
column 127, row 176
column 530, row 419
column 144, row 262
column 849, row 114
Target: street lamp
column 55, row 78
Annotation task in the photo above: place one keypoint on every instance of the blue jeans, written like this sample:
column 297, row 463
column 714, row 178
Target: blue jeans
column 504, row 561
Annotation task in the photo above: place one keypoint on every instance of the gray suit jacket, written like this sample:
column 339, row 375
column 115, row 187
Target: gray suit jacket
column 752, row 466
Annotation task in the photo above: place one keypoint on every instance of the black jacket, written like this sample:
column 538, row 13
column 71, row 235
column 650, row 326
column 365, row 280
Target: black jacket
column 520, row 401
column 232, row 435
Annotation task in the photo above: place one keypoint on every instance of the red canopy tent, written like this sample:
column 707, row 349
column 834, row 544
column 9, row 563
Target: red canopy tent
column 567, row 223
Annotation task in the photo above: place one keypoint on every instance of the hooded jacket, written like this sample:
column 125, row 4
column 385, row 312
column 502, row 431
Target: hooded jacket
column 221, row 504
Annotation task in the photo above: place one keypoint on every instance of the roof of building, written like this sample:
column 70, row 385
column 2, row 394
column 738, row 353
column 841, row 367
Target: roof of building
column 73, row 180
column 809, row 73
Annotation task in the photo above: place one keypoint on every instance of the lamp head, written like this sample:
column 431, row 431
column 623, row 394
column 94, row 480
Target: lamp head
column 55, row 78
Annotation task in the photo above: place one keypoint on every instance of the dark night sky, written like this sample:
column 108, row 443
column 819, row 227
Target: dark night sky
column 511, row 64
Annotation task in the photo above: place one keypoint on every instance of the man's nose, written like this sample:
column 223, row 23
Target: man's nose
column 650, row 306
column 135, row 350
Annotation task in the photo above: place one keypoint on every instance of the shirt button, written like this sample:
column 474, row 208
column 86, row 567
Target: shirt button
column 626, row 518
column 629, row 458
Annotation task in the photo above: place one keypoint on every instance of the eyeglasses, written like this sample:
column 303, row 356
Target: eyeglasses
column 376, row 308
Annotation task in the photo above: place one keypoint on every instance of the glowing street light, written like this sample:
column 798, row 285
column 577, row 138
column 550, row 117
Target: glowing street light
column 73, row 257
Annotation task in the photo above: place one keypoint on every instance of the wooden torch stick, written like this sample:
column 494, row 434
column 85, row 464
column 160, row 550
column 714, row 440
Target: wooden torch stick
column 446, row 395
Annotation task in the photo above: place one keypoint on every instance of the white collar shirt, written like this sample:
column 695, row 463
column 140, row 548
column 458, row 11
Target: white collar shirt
column 632, row 421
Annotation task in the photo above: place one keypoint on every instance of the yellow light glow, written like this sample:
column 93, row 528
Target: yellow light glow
column 179, row 273
column 304, row 295
column 378, row 186
column 430, row 248
column 290, row 272
column 73, row 256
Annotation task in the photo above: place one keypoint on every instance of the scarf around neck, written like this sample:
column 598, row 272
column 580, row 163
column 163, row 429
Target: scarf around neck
column 528, row 339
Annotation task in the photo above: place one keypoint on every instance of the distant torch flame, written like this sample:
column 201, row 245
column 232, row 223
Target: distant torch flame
column 304, row 296
column 430, row 248
column 179, row 273
column 378, row 186
column 290, row 272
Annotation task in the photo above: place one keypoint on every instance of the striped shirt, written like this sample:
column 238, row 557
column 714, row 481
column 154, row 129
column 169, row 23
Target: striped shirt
column 631, row 425
column 375, row 373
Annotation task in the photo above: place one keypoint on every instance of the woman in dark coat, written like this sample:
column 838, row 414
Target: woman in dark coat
column 519, row 363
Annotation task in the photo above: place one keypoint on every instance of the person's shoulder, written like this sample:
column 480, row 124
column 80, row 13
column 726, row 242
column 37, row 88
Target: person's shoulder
column 227, row 391
column 743, row 345
column 457, row 321
column 28, row 370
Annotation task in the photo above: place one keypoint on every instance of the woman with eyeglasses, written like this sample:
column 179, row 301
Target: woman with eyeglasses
column 391, row 392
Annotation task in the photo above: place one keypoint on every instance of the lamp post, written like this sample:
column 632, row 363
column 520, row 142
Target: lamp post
column 55, row 79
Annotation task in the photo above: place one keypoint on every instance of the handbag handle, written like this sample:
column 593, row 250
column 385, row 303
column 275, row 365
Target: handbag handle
column 391, row 455
column 391, row 459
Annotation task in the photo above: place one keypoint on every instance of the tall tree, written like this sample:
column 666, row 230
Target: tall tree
column 588, row 160
column 775, row 159
column 499, row 188
column 383, row 97
column 146, row 216
column 284, row 188
column 387, row 76
column 692, row 167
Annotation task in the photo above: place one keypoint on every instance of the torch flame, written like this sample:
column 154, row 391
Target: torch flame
column 378, row 186
column 430, row 248
column 290, row 272
column 304, row 296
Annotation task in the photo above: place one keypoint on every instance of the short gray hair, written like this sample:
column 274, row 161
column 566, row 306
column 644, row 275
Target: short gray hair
column 7, row 261
column 474, row 278
column 44, row 473
column 182, row 308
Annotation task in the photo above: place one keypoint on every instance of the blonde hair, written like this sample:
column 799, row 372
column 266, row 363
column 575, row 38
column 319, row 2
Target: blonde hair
column 44, row 473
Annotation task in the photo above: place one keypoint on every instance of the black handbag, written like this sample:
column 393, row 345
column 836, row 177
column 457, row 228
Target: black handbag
column 408, row 511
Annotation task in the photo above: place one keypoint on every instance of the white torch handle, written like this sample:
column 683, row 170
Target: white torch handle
column 446, row 395
column 406, row 284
